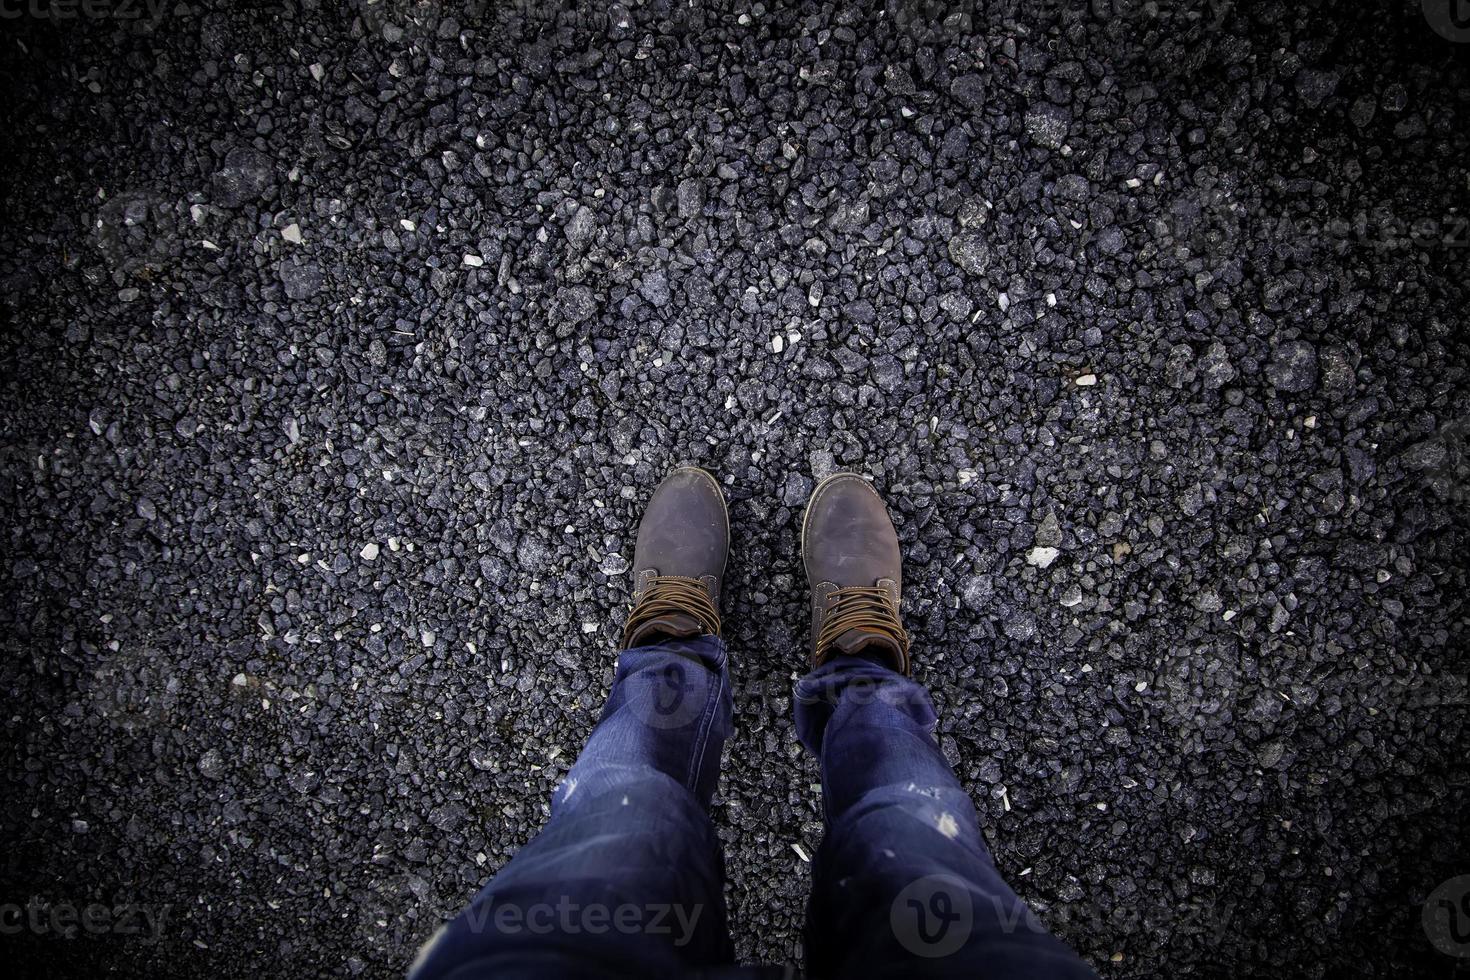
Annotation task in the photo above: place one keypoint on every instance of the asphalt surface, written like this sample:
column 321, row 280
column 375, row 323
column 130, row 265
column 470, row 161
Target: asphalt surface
column 345, row 341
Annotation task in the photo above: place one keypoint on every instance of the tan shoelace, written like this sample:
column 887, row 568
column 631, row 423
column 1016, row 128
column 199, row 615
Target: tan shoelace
column 864, row 608
column 670, row 595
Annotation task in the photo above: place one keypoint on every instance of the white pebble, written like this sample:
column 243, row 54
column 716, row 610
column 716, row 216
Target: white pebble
column 1042, row 557
column 1087, row 381
column 369, row 551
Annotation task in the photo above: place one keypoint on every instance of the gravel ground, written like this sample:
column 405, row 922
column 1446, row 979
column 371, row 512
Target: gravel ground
column 347, row 339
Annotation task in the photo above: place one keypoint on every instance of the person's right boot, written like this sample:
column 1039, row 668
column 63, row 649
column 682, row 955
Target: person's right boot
column 679, row 560
column 850, row 550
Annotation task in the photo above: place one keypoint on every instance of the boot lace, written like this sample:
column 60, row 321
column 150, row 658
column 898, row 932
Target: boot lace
column 669, row 595
column 866, row 608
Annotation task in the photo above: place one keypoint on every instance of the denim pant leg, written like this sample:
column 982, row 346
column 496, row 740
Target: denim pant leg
column 626, row 878
column 903, row 884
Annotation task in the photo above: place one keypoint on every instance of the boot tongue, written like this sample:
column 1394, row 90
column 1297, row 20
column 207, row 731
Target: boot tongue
column 674, row 626
column 872, row 645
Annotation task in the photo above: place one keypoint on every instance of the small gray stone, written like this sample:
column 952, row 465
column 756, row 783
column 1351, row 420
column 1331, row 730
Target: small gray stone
column 1047, row 125
column 798, row 489
column 1049, row 532
column 654, row 287
column 690, row 195
column 1293, row 366
column 571, row 306
column 301, row 279
column 1218, row 371
column 969, row 91
column 243, row 178
column 970, row 252
column 1269, row 754
column 212, row 765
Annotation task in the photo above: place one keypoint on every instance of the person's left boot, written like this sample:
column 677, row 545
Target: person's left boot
column 679, row 561
column 850, row 549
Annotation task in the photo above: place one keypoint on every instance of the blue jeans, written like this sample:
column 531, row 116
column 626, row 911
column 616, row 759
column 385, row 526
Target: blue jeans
column 626, row 879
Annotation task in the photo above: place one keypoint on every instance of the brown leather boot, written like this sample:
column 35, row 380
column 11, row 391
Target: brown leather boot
column 679, row 560
column 850, row 550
